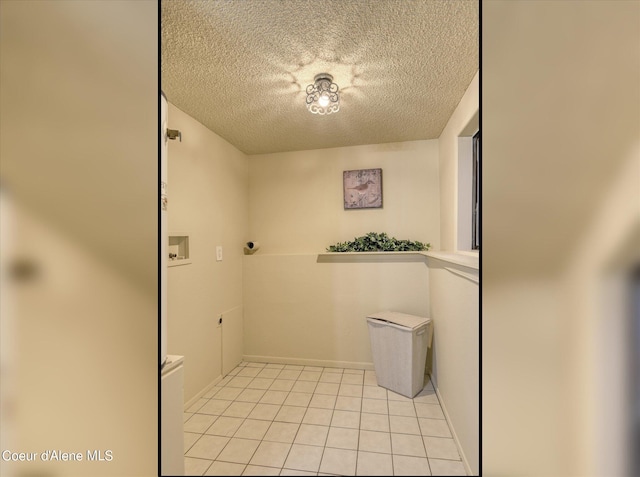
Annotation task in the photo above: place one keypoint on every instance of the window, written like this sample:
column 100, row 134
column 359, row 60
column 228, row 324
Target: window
column 467, row 231
column 475, row 227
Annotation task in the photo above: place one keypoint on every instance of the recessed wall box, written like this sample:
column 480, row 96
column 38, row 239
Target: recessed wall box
column 178, row 250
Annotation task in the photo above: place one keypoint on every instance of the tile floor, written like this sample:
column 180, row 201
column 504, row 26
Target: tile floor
column 274, row 419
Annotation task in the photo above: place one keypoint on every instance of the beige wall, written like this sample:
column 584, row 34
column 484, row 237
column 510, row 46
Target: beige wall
column 463, row 122
column 297, row 308
column 455, row 298
column 207, row 191
column 306, row 310
column 296, row 198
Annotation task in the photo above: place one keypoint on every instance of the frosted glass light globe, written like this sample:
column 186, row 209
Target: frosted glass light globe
column 324, row 100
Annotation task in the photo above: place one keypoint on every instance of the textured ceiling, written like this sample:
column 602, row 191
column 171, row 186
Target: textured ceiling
column 241, row 68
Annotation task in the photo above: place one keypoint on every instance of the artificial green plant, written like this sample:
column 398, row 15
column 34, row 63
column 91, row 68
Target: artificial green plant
column 378, row 242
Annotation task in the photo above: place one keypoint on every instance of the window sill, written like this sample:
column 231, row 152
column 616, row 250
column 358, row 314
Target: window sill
column 469, row 253
column 465, row 259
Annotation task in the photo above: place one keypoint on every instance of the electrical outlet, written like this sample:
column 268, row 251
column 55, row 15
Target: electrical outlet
column 219, row 253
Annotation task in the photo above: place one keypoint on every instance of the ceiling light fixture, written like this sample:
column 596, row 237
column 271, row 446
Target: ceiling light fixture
column 322, row 95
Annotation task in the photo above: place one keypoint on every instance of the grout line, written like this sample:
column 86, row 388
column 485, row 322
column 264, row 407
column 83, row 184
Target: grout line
column 205, row 470
column 359, row 427
column 390, row 440
column 424, row 446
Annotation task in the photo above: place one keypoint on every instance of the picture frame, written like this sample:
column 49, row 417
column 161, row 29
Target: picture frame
column 362, row 189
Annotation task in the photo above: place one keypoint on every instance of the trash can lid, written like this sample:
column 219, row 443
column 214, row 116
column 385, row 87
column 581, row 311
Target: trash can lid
column 402, row 319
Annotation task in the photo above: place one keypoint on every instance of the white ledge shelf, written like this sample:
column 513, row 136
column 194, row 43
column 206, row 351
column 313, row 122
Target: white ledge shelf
column 464, row 260
column 336, row 257
column 178, row 262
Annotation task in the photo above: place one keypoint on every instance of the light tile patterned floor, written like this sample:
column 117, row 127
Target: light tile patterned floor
column 275, row 419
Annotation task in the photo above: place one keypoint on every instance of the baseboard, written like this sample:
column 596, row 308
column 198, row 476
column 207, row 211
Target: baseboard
column 463, row 457
column 309, row 362
column 206, row 389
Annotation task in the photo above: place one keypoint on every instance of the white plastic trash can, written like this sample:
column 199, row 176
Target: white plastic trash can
column 399, row 344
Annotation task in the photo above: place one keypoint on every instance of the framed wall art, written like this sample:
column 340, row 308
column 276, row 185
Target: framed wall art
column 362, row 189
